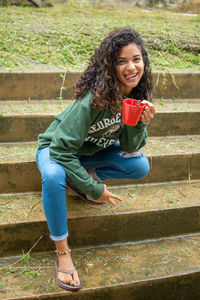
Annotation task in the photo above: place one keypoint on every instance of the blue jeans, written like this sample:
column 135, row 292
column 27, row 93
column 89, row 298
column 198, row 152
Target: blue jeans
column 110, row 163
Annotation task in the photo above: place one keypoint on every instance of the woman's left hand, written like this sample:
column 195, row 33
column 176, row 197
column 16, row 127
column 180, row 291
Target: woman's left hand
column 148, row 112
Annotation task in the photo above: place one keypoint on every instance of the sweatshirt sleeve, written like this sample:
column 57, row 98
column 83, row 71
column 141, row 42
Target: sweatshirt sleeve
column 133, row 138
column 67, row 140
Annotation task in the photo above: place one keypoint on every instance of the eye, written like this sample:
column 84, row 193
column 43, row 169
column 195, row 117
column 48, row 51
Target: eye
column 137, row 59
column 121, row 61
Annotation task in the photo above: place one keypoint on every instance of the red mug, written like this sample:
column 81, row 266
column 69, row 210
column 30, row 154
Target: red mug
column 131, row 111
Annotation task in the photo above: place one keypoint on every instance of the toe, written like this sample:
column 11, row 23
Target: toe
column 76, row 278
column 71, row 282
column 66, row 279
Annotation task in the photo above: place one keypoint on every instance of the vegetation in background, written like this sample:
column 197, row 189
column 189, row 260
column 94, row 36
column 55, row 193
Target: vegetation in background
column 66, row 35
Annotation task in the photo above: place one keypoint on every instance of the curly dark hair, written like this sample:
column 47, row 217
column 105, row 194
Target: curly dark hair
column 100, row 77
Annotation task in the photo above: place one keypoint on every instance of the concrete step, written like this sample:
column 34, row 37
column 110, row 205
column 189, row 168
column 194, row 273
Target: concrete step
column 50, row 85
column 26, row 127
column 147, row 212
column 161, row 269
column 53, row 107
column 171, row 159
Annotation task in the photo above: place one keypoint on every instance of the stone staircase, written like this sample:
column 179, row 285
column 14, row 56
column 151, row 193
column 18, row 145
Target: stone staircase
column 148, row 246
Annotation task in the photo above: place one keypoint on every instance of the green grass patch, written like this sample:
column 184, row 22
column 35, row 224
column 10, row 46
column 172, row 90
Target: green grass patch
column 65, row 36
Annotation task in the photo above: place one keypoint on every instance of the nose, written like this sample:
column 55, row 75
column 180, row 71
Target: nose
column 131, row 65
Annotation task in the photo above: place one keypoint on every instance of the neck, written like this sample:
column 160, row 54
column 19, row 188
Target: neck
column 125, row 93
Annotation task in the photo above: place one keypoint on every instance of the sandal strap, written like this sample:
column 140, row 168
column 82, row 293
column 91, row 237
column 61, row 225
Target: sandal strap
column 70, row 272
column 62, row 253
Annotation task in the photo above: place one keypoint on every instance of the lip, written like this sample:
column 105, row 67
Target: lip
column 131, row 76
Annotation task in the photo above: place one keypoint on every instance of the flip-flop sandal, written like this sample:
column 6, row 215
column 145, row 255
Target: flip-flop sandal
column 65, row 285
column 81, row 195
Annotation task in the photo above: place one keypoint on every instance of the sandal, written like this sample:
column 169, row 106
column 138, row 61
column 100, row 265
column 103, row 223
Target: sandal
column 81, row 195
column 71, row 272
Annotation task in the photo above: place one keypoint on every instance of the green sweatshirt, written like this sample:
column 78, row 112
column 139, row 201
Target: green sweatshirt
column 80, row 129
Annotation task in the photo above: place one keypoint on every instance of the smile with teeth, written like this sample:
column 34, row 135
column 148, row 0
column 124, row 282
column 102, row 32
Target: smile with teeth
column 132, row 76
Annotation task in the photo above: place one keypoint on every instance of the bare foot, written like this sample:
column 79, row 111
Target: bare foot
column 65, row 262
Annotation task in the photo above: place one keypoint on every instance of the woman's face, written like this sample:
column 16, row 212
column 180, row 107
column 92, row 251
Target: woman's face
column 130, row 68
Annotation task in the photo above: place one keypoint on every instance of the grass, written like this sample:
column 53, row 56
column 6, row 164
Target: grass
column 65, row 36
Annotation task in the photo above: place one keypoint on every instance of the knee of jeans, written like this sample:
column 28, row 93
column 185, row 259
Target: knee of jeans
column 54, row 175
column 144, row 171
column 141, row 169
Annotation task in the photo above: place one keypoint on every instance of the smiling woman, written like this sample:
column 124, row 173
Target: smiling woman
column 88, row 144
column 105, row 73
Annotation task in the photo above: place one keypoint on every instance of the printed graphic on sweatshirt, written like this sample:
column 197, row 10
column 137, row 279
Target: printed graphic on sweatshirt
column 108, row 136
column 105, row 123
column 112, row 131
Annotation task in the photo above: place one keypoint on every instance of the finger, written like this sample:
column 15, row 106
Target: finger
column 144, row 117
column 147, row 103
column 111, row 202
column 150, row 106
column 151, row 109
column 116, row 197
column 149, row 113
column 110, row 194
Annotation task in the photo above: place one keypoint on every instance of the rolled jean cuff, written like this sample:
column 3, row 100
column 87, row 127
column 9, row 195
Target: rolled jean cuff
column 59, row 238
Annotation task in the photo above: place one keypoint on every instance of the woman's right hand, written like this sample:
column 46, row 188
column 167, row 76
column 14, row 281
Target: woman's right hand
column 108, row 197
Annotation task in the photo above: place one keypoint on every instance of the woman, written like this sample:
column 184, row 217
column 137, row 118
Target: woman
column 88, row 144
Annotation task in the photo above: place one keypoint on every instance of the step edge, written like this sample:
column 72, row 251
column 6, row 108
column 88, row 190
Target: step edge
column 53, row 115
column 116, row 186
column 169, row 137
column 148, row 281
column 148, row 156
column 108, row 215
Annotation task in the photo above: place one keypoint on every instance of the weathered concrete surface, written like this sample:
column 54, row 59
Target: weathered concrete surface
column 24, row 176
column 47, row 85
column 26, row 128
column 23, row 128
column 181, row 286
column 23, row 86
column 112, row 228
column 110, row 268
column 176, row 85
column 175, row 123
column 19, row 177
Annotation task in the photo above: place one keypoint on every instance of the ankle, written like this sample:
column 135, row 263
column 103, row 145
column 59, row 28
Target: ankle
column 60, row 253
